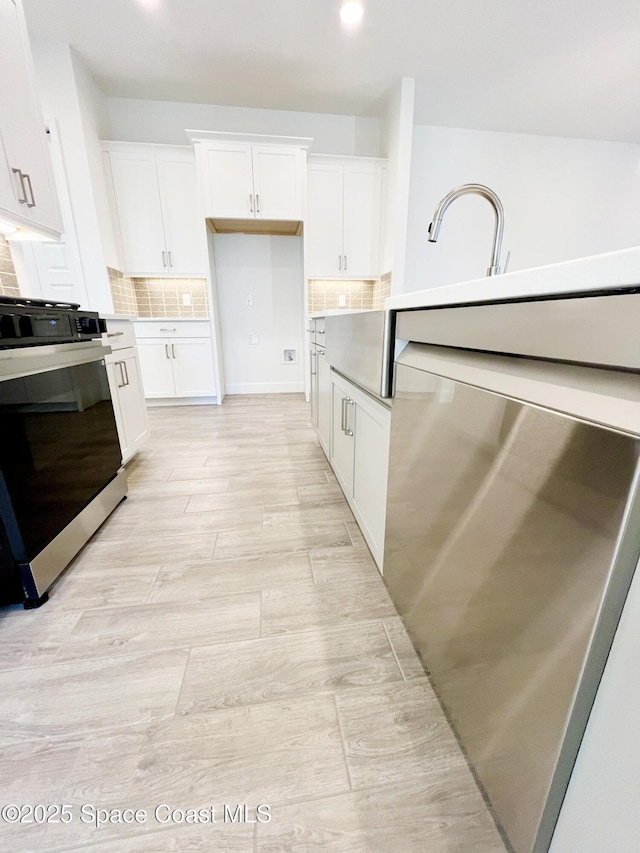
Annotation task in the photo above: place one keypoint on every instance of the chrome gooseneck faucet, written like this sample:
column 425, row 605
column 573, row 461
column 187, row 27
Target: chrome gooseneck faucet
column 487, row 193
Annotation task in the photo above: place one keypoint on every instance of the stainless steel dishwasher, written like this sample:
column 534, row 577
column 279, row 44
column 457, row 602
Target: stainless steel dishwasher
column 513, row 527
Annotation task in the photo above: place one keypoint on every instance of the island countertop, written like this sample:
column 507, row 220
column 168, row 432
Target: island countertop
column 609, row 271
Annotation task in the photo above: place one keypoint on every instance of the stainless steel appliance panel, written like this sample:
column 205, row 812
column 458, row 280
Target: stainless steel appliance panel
column 359, row 346
column 511, row 539
column 588, row 329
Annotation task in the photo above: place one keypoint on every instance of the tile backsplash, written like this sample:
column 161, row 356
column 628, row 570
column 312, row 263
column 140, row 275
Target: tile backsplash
column 8, row 278
column 158, row 297
column 324, row 295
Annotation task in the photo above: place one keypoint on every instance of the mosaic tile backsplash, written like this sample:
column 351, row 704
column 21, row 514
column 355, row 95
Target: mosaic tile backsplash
column 158, row 297
column 8, row 278
column 324, row 295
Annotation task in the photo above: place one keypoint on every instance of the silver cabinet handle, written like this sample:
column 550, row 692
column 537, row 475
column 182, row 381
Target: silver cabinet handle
column 320, row 331
column 114, row 334
column 173, row 350
column 126, row 372
column 250, row 202
column 122, row 383
column 167, row 330
column 169, row 256
column 313, row 355
column 345, row 263
column 342, row 419
column 347, row 429
column 166, row 350
column 339, row 262
column 164, row 259
column 257, row 203
column 24, row 199
column 32, row 203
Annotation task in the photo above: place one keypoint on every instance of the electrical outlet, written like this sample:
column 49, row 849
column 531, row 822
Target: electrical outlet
column 342, row 300
column 290, row 356
column 249, row 299
column 254, row 339
column 186, row 299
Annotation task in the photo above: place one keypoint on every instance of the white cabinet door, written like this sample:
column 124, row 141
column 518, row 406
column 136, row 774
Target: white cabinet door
column 139, row 212
column 277, row 182
column 184, row 228
column 156, row 368
column 132, row 405
column 27, row 189
column 324, row 221
column 361, row 221
column 192, row 360
column 341, row 438
column 228, row 178
column 324, row 401
column 370, row 469
column 344, row 215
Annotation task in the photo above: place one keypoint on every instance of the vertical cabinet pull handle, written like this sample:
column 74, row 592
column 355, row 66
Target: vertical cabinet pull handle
column 345, row 263
column 166, row 349
column 342, row 420
column 164, row 259
column 313, row 355
column 32, row 203
column 24, row 199
column 347, row 428
column 339, row 262
column 169, row 256
column 251, row 202
column 257, row 203
column 122, row 383
column 126, row 372
column 173, row 350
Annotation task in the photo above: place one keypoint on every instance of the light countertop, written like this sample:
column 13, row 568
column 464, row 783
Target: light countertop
column 596, row 272
column 172, row 319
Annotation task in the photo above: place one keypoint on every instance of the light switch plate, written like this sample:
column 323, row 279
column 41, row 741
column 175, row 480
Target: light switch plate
column 254, row 339
column 186, row 299
column 342, row 300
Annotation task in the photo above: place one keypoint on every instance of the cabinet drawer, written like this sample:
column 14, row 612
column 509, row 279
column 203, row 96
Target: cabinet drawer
column 120, row 334
column 173, row 329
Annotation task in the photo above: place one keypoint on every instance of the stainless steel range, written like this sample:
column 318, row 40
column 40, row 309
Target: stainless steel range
column 60, row 456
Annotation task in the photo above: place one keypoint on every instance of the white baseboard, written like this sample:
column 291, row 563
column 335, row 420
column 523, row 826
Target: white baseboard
column 180, row 401
column 265, row 388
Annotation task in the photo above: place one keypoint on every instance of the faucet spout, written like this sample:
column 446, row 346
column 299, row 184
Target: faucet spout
column 492, row 198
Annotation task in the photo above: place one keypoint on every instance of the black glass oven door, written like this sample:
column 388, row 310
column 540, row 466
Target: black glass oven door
column 59, row 448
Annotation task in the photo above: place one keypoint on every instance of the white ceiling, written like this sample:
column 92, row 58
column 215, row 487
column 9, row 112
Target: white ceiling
column 560, row 67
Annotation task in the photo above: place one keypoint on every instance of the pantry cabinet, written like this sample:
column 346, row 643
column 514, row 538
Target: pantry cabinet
column 248, row 181
column 344, row 216
column 176, row 359
column 360, row 429
column 156, row 209
column 27, row 190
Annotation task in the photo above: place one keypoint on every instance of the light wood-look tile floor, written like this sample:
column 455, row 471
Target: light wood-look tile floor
column 225, row 638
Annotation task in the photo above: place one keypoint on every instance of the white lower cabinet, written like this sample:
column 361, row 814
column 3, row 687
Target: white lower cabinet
column 176, row 365
column 125, row 384
column 129, row 407
column 360, row 428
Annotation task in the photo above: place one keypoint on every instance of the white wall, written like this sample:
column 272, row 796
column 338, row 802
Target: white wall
column 269, row 269
column 563, row 199
column 62, row 99
column 396, row 126
column 135, row 120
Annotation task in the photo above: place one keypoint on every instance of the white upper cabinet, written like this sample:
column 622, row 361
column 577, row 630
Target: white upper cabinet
column 249, row 181
column 344, row 216
column 155, row 201
column 27, row 189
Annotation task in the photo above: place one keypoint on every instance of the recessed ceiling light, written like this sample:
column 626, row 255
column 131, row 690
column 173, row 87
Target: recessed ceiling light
column 351, row 13
column 149, row 5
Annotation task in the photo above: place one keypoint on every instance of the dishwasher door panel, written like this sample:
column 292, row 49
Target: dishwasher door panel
column 503, row 531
